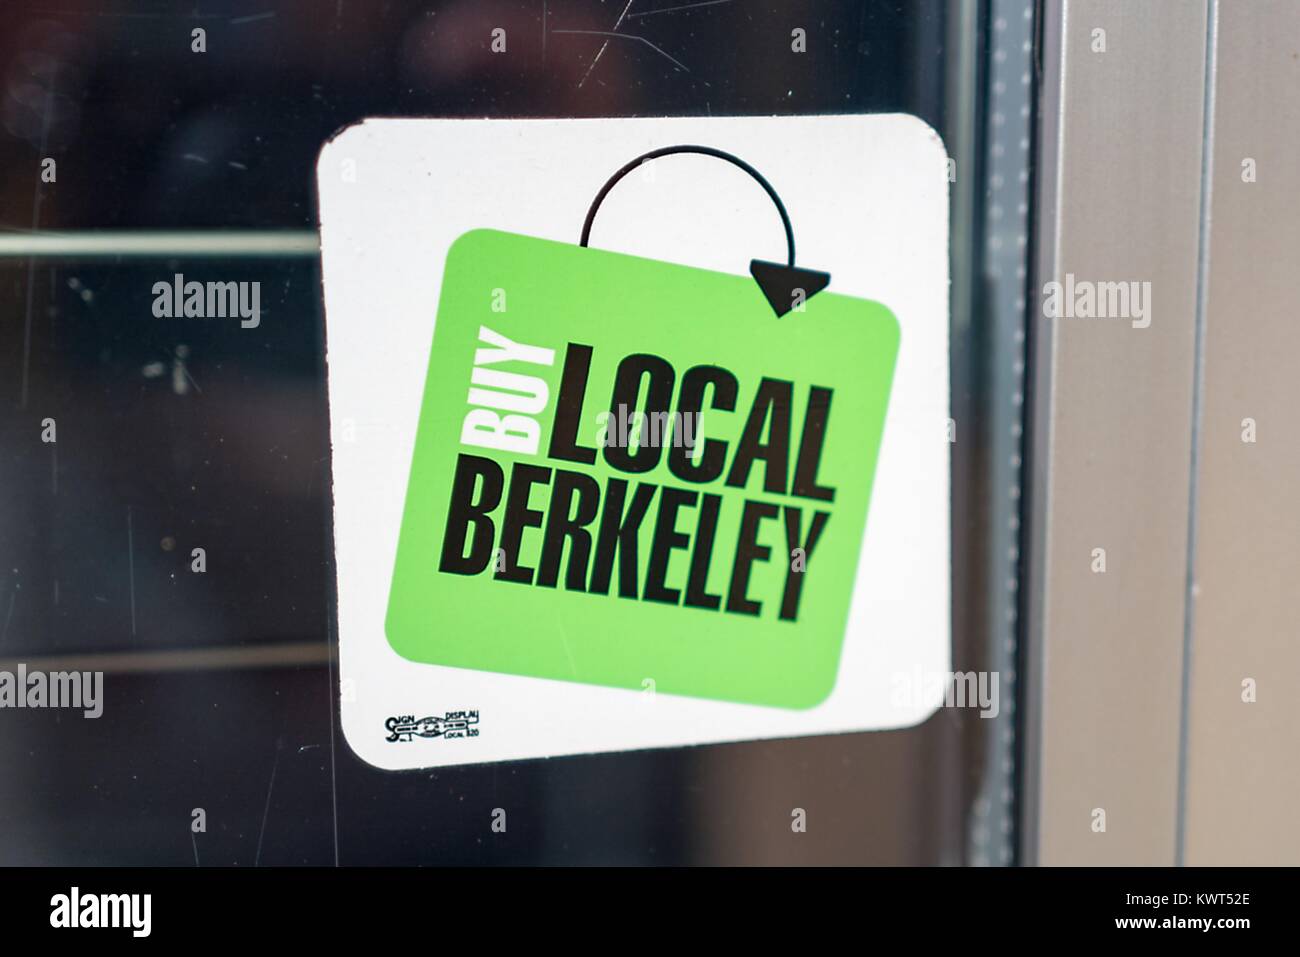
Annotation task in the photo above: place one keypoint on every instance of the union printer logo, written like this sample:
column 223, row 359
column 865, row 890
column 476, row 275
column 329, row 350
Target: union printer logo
column 724, row 565
column 453, row 724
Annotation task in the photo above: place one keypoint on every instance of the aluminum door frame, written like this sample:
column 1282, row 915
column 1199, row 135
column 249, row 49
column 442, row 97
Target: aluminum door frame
column 1119, row 200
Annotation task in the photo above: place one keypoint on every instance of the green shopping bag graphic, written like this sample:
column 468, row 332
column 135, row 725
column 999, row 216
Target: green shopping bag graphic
column 638, row 474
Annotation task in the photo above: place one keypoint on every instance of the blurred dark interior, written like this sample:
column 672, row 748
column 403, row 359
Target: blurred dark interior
column 220, row 686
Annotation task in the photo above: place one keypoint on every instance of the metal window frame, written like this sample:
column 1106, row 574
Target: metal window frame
column 1120, row 198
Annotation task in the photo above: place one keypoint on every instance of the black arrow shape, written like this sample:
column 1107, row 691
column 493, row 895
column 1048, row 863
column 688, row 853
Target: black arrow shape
column 787, row 286
column 783, row 286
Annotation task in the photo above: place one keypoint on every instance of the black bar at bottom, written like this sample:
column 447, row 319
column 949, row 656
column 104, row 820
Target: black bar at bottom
column 309, row 905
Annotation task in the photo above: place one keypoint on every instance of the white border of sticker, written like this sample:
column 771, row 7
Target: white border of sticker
column 868, row 197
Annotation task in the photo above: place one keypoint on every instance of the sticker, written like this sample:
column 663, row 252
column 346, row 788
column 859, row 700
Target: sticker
column 635, row 486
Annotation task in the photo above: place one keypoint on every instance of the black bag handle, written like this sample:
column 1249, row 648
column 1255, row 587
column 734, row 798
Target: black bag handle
column 703, row 151
column 785, row 287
